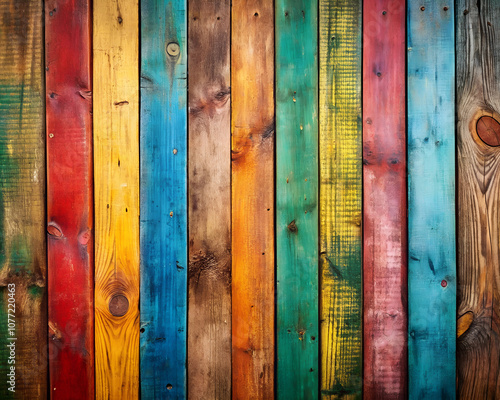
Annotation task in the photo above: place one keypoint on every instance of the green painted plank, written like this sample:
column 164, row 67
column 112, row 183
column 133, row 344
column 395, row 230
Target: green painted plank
column 431, row 200
column 340, row 198
column 297, row 198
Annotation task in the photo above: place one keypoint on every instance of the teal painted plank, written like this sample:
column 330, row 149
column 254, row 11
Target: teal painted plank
column 297, row 198
column 163, row 199
column 431, row 200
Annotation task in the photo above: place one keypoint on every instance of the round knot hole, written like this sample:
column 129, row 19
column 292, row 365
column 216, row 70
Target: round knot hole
column 118, row 305
column 173, row 49
column 488, row 130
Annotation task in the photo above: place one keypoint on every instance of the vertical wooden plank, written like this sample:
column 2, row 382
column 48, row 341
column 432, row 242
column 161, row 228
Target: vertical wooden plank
column 478, row 108
column 252, row 107
column 297, row 198
column 384, row 200
column 209, row 275
column 69, row 198
column 23, row 314
column 163, row 199
column 431, row 200
column 116, row 161
column 340, row 198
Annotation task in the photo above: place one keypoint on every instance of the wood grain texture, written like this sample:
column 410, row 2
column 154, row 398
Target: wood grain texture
column 22, row 201
column 69, row 198
column 252, row 107
column 340, row 148
column 478, row 94
column 209, row 275
column 384, row 201
column 431, row 200
column 116, row 162
column 163, row 199
column 297, row 198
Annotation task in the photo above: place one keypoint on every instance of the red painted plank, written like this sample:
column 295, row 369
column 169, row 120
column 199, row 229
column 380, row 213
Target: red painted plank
column 69, row 198
column 384, row 171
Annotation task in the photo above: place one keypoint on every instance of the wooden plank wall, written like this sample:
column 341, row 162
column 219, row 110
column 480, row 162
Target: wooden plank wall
column 116, row 158
column 384, row 200
column 23, row 304
column 478, row 107
column 252, row 201
column 431, row 200
column 297, row 198
column 209, row 275
column 340, row 198
column 252, row 185
column 68, row 80
column 163, row 224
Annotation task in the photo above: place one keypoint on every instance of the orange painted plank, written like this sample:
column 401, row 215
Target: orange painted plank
column 252, row 86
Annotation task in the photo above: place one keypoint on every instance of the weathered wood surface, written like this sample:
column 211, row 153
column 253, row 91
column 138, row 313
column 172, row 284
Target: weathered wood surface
column 163, row 199
column 209, row 275
column 340, row 198
column 384, row 200
column 252, row 86
column 431, row 200
column 116, row 162
column 70, row 198
column 478, row 95
column 297, row 199
column 22, row 200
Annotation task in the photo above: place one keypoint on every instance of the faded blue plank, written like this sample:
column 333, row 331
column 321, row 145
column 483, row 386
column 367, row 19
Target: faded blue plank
column 163, row 206
column 431, row 200
column 297, row 198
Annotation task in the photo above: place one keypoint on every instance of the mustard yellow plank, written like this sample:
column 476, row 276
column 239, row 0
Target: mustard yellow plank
column 340, row 198
column 116, row 163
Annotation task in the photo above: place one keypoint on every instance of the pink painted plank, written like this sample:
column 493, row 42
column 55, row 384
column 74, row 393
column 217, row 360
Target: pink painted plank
column 384, row 169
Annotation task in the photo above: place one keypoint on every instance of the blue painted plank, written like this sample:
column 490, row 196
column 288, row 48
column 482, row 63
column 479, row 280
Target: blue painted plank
column 163, row 220
column 431, row 200
column 297, row 198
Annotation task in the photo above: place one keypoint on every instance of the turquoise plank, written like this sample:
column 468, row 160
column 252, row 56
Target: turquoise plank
column 297, row 198
column 431, row 200
column 163, row 220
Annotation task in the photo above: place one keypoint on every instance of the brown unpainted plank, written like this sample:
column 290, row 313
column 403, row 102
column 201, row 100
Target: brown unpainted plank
column 478, row 302
column 209, row 275
column 22, row 205
column 252, row 109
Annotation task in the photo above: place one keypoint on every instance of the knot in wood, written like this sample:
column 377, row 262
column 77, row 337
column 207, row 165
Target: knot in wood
column 292, row 227
column 488, row 130
column 173, row 49
column 118, row 305
column 54, row 231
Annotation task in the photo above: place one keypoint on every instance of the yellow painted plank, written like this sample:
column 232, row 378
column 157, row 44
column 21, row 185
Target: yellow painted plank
column 340, row 198
column 116, row 165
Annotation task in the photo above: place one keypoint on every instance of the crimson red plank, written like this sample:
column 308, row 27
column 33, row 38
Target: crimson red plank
column 69, row 198
column 384, row 172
